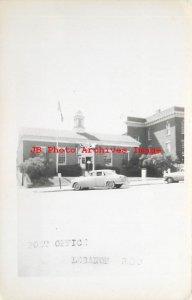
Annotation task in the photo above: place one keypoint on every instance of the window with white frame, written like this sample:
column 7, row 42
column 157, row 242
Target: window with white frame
column 43, row 151
column 80, row 123
column 62, row 158
column 168, row 147
column 126, row 157
column 168, row 128
column 136, row 137
column 182, row 147
column 182, row 126
column 108, row 159
column 149, row 133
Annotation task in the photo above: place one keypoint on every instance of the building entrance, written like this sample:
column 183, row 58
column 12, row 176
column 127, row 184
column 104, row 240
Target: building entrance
column 88, row 164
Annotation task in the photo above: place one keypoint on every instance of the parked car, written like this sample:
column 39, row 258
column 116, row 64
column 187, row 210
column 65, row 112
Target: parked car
column 99, row 178
column 174, row 176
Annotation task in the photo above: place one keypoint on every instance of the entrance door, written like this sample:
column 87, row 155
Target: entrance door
column 89, row 164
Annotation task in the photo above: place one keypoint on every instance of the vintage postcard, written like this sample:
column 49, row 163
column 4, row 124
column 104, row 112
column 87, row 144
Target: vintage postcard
column 96, row 118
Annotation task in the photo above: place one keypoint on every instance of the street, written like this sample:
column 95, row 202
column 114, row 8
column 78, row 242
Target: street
column 65, row 232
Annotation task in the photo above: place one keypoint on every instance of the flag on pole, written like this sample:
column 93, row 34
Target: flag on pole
column 60, row 111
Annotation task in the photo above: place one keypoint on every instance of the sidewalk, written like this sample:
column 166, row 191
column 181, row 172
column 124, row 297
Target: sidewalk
column 132, row 181
column 147, row 181
column 51, row 189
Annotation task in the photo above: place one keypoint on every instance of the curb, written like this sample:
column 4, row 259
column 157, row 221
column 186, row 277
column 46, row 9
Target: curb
column 146, row 182
column 68, row 187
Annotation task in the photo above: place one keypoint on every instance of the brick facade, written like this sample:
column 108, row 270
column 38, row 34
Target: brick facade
column 45, row 138
column 164, row 129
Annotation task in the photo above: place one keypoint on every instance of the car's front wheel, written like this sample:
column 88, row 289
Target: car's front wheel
column 110, row 184
column 170, row 180
column 76, row 186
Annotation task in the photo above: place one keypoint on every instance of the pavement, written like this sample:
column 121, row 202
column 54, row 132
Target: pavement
column 145, row 226
column 132, row 181
column 147, row 180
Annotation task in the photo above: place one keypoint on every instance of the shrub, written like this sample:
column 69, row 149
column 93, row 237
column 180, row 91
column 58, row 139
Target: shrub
column 34, row 167
column 42, row 182
column 132, row 171
column 155, row 165
column 70, row 170
column 132, row 167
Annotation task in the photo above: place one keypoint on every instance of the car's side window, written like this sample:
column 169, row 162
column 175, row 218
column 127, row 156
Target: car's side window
column 93, row 174
column 99, row 174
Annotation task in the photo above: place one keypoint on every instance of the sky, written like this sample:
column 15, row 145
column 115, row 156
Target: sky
column 109, row 59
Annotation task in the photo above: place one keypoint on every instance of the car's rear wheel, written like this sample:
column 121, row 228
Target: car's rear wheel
column 118, row 186
column 169, row 180
column 110, row 184
column 76, row 186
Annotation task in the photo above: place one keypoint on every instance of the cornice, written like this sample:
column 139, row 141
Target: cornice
column 155, row 119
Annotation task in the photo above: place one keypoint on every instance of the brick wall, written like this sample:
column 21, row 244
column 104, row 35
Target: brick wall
column 118, row 159
column 71, row 158
column 140, row 132
column 159, row 136
column 179, row 138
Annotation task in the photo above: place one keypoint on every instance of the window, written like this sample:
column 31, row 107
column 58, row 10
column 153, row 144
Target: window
column 149, row 133
column 93, row 174
column 136, row 137
column 43, row 152
column 62, row 158
column 182, row 126
column 108, row 159
column 79, row 160
column 43, row 149
column 168, row 128
column 168, row 147
column 182, row 148
column 80, row 123
column 126, row 156
column 99, row 174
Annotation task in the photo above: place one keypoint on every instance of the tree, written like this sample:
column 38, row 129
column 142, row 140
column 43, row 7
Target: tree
column 155, row 164
column 34, row 167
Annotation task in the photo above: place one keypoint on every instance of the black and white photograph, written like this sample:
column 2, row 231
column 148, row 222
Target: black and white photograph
column 96, row 149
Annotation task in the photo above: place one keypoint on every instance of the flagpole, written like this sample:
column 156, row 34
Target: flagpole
column 57, row 137
column 57, row 156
